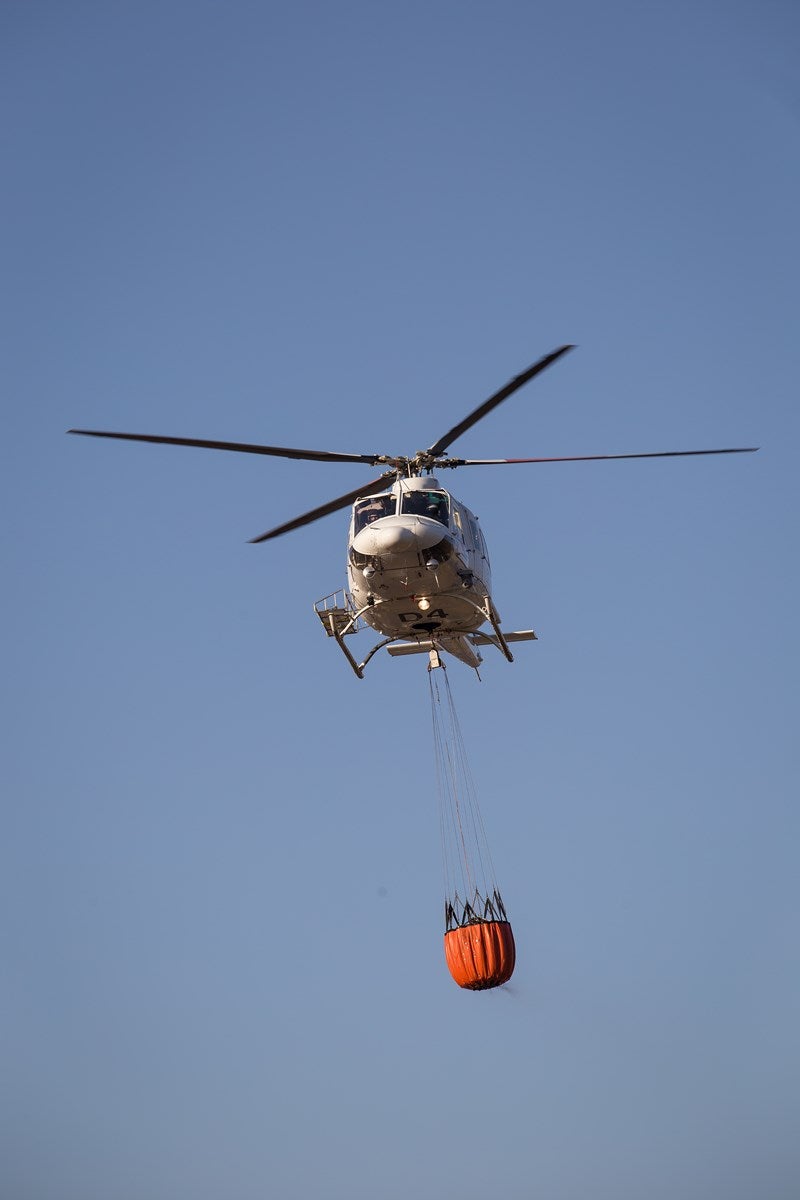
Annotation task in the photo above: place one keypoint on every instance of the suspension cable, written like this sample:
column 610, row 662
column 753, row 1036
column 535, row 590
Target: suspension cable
column 469, row 877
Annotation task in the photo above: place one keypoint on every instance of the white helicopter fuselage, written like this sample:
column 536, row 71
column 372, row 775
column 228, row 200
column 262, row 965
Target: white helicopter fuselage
column 418, row 566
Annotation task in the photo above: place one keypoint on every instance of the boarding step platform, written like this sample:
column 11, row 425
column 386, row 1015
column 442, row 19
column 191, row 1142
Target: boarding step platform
column 337, row 612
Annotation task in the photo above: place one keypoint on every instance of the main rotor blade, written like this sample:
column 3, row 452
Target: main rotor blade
column 512, row 386
column 240, row 447
column 499, row 462
column 367, row 489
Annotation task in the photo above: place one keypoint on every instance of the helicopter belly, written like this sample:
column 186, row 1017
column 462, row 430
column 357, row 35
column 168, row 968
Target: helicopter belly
column 403, row 617
column 402, row 595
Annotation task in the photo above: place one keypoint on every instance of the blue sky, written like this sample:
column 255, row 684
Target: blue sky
column 344, row 226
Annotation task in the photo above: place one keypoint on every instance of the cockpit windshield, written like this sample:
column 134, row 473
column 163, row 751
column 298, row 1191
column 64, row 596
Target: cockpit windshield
column 370, row 510
column 427, row 504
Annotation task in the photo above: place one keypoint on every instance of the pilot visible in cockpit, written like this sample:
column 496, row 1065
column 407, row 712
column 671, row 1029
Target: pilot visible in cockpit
column 415, row 504
column 371, row 510
column 426, row 504
column 436, row 508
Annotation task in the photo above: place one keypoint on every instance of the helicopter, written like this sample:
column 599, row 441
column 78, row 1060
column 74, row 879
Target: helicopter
column 418, row 566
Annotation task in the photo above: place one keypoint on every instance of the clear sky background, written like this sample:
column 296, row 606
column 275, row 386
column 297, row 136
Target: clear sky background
column 343, row 226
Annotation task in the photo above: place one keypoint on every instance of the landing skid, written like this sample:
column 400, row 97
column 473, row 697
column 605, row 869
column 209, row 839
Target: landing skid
column 340, row 618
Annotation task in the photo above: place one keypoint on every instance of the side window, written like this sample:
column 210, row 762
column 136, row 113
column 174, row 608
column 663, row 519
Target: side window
column 474, row 536
column 476, row 539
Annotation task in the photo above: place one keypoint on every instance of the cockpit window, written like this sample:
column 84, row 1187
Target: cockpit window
column 369, row 510
column 427, row 504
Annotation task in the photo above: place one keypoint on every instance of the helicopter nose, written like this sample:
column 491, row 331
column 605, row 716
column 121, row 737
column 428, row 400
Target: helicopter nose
column 393, row 539
column 390, row 536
